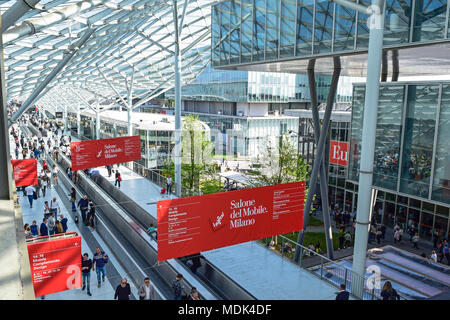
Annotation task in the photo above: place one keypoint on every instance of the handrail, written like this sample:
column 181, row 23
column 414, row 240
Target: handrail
column 337, row 274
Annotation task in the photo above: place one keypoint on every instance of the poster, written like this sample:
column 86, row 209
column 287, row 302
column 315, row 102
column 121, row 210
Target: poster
column 96, row 153
column 25, row 172
column 55, row 264
column 339, row 153
column 195, row 224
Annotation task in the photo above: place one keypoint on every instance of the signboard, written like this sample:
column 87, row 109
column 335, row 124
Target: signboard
column 25, row 172
column 195, row 224
column 339, row 153
column 55, row 263
column 96, row 153
column 58, row 115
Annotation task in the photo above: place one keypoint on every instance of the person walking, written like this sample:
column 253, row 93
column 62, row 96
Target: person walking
column 54, row 207
column 341, row 240
column 169, row 185
column 435, row 239
column 177, row 287
column 415, row 240
column 109, row 168
column 86, row 267
column 100, row 259
column 146, row 291
column 55, row 175
column 446, row 252
column 46, row 209
column 83, row 204
column 379, row 236
column 91, row 216
column 433, row 256
column 73, row 199
column 30, row 191
column 389, row 293
column 348, row 240
column 51, row 224
column 343, row 293
column 44, row 184
column 118, row 178
column 123, row 291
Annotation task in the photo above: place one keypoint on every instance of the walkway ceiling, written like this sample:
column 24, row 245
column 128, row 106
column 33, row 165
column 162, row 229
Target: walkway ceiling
column 132, row 39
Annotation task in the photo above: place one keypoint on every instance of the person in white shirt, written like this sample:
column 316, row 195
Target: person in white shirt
column 29, row 191
column 434, row 256
column 55, row 175
column 54, row 207
column 169, row 185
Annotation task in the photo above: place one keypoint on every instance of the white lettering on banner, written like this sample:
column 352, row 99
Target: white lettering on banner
column 111, row 151
column 338, row 154
column 247, row 208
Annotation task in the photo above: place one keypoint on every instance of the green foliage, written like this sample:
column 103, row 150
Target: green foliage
column 280, row 164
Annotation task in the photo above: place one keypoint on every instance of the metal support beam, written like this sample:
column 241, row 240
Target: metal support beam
column 112, row 87
column 79, row 120
column 395, row 66
column 323, row 168
column 384, row 66
column 368, row 147
column 97, row 121
column 177, row 62
column 67, row 57
column 6, row 190
column 130, row 105
column 320, row 151
column 15, row 12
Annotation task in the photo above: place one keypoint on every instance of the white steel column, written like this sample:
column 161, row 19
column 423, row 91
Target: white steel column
column 177, row 63
column 130, row 105
column 376, row 25
column 78, row 121
column 97, row 121
column 65, row 118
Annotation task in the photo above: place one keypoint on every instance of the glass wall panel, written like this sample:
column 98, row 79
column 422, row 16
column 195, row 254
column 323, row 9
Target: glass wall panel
column 418, row 141
column 397, row 21
column 272, row 29
column 429, row 20
column 389, row 213
column 388, row 136
column 287, row 39
column 235, row 36
column 323, row 29
column 356, row 131
column 441, row 183
column 362, row 41
column 215, row 34
column 344, row 34
column 305, row 26
column 246, row 31
column 259, row 30
column 426, row 225
column 224, row 27
column 441, row 225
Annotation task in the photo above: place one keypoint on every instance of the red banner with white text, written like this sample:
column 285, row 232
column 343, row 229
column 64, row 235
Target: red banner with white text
column 97, row 153
column 55, row 264
column 195, row 224
column 339, row 153
column 25, row 172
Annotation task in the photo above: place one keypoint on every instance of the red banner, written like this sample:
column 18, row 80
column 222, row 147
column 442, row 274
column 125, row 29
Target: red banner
column 339, row 153
column 25, row 172
column 96, row 153
column 195, row 224
column 55, row 265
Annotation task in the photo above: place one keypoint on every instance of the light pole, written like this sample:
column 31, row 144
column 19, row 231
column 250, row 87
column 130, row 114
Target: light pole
column 376, row 26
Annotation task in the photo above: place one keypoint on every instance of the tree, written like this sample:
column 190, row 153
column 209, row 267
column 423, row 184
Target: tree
column 280, row 164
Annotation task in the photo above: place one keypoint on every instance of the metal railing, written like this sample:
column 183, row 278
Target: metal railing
column 327, row 269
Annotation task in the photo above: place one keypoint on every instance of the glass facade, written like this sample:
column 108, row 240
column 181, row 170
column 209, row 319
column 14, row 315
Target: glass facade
column 273, row 30
column 411, row 149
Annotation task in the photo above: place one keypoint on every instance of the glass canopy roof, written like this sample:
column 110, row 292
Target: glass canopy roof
column 132, row 46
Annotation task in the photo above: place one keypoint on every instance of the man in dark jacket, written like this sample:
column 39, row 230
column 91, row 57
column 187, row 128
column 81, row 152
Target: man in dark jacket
column 43, row 228
column 86, row 267
column 343, row 294
column 84, row 205
column 177, row 287
column 123, row 291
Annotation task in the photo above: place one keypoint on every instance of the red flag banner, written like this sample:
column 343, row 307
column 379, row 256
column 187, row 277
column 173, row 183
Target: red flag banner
column 55, row 264
column 339, row 153
column 195, row 224
column 96, row 153
column 25, row 172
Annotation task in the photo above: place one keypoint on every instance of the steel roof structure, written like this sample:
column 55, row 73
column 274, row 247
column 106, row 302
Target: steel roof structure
column 101, row 50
